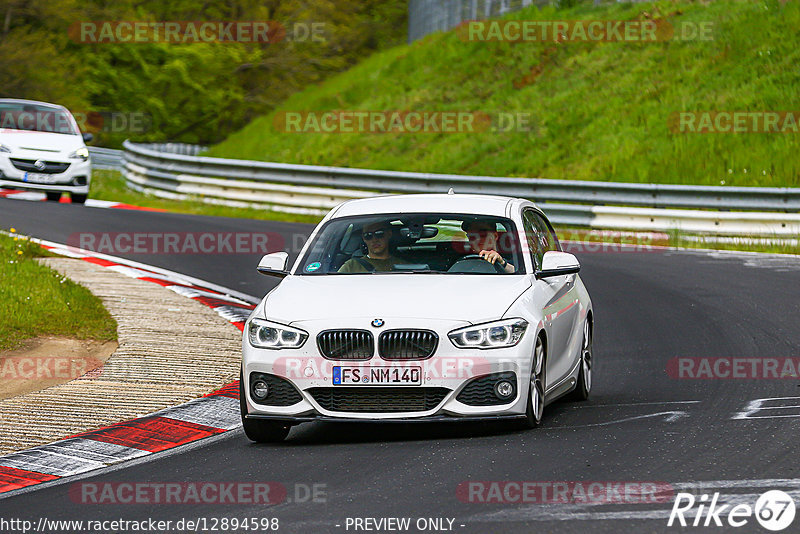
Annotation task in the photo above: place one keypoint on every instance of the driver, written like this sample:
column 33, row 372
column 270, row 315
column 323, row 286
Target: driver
column 483, row 236
column 376, row 236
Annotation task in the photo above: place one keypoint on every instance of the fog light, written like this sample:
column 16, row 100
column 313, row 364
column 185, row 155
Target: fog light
column 503, row 389
column 260, row 389
column 79, row 181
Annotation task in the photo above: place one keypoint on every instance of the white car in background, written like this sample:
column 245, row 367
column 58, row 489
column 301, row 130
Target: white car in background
column 42, row 149
column 438, row 307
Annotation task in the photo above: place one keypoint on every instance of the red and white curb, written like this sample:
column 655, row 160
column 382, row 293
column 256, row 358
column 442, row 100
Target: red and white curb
column 91, row 202
column 214, row 414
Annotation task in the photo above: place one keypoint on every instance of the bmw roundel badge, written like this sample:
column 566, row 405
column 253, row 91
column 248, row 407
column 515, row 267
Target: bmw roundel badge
column 377, row 323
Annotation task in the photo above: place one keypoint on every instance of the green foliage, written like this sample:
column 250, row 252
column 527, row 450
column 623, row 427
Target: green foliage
column 600, row 111
column 196, row 92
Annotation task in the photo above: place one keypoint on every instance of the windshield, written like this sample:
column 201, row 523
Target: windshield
column 36, row 118
column 420, row 243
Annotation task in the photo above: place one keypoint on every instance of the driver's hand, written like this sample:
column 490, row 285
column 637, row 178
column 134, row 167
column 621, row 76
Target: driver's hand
column 490, row 255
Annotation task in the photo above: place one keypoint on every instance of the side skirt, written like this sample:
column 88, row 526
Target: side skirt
column 567, row 385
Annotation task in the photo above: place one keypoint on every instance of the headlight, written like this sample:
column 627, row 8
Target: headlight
column 4, row 148
column 506, row 333
column 81, row 153
column 268, row 335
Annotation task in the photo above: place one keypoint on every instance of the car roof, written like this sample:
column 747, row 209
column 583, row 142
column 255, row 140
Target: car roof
column 427, row 203
column 34, row 102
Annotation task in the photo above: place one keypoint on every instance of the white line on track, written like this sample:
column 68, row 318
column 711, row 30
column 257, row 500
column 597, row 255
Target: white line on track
column 669, row 417
column 660, row 403
column 190, row 280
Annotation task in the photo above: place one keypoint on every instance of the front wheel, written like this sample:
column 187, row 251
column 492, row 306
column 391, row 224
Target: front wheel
column 260, row 431
column 79, row 198
column 53, row 196
column 535, row 408
column 584, row 385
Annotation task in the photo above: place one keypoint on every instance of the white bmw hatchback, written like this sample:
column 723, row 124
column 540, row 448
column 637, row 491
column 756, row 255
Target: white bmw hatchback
column 418, row 308
column 42, row 149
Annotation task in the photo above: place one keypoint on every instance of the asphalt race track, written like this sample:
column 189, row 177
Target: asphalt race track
column 640, row 425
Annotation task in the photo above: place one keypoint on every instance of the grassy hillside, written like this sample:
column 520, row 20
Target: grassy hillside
column 600, row 111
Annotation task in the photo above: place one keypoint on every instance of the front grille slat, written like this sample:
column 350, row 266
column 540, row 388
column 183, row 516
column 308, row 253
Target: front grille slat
column 50, row 167
column 379, row 399
column 346, row 344
column 407, row 344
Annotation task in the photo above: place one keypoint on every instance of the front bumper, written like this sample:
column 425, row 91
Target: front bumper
column 429, row 419
column 75, row 179
column 450, row 368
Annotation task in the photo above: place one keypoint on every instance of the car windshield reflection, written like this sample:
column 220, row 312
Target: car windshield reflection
column 419, row 243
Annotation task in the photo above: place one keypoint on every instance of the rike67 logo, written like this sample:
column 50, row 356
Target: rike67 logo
column 774, row 510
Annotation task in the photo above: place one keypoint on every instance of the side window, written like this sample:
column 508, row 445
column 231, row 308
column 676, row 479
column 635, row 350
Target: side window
column 553, row 237
column 547, row 237
column 532, row 237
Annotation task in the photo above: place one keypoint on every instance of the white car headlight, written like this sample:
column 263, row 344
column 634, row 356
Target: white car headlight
column 268, row 335
column 4, row 148
column 81, row 154
column 506, row 333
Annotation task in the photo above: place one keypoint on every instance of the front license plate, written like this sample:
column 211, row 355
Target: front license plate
column 377, row 376
column 37, row 178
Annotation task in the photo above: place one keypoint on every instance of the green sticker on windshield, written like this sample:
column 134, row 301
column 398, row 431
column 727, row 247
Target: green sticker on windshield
column 311, row 267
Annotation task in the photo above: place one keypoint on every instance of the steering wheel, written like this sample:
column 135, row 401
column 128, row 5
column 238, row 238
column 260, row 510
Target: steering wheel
column 470, row 264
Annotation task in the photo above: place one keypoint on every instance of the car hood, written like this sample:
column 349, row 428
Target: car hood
column 42, row 142
column 458, row 297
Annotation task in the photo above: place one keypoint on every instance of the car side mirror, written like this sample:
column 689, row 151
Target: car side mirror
column 87, row 137
column 274, row 264
column 556, row 263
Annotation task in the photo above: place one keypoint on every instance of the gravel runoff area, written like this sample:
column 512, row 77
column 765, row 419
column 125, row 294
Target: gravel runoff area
column 171, row 349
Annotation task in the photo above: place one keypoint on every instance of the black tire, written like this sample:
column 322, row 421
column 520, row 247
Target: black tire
column 79, row 198
column 534, row 412
column 584, row 386
column 53, row 196
column 260, row 431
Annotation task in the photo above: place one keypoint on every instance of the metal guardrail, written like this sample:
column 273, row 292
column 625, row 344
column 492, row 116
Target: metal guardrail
column 177, row 148
column 175, row 171
column 105, row 158
column 428, row 16
column 110, row 158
